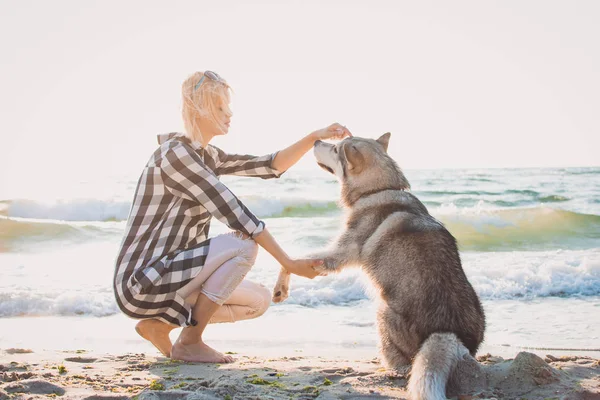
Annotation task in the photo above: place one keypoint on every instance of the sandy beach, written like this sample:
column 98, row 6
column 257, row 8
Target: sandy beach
column 81, row 374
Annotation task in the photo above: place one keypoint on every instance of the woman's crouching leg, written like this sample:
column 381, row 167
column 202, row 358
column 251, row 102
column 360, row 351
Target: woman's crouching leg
column 223, row 281
column 229, row 260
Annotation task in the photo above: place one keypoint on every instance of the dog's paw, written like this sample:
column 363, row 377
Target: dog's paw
column 280, row 293
column 322, row 270
column 330, row 265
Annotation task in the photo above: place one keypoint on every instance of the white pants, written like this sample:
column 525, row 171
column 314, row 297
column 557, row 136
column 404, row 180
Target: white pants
column 221, row 279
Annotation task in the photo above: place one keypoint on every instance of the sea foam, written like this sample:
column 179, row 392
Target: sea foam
column 502, row 275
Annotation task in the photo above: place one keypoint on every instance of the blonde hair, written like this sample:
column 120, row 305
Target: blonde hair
column 203, row 102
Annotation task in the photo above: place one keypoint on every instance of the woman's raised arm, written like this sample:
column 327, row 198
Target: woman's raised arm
column 290, row 155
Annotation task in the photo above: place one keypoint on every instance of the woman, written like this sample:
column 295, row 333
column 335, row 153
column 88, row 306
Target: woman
column 168, row 273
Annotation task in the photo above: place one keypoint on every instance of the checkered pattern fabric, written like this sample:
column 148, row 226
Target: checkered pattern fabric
column 166, row 237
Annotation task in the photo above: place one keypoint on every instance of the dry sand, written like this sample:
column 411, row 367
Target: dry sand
column 26, row 374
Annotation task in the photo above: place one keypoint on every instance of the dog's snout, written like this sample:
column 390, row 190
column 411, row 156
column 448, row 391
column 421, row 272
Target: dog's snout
column 318, row 142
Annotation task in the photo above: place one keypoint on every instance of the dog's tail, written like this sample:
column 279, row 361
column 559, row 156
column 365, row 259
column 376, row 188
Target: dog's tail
column 432, row 366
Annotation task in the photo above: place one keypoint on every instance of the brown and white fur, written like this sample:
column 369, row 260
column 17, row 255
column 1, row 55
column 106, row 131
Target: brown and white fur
column 429, row 314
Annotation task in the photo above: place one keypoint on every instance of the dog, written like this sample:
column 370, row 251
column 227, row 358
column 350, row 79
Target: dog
column 429, row 314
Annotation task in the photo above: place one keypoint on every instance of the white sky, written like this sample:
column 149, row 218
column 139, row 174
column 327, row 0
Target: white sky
column 87, row 85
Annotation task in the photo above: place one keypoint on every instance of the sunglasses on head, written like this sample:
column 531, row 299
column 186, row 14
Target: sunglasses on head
column 213, row 76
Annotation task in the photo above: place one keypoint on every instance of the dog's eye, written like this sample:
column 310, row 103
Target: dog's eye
column 335, row 150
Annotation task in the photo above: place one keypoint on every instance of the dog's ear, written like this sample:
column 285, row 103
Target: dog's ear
column 354, row 159
column 384, row 140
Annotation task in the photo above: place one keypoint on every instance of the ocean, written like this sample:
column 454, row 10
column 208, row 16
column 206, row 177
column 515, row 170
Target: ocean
column 529, row 242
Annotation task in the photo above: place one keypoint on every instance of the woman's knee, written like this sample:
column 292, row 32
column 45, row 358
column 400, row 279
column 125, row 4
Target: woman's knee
column 248, row 250
column 262, row 300
column 233, row 245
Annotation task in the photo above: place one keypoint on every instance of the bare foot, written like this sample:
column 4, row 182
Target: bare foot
column 198, row 352
column 157, row 333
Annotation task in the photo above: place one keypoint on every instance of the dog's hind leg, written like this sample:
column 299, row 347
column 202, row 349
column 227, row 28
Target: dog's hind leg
column 391, row 354
column 396, row 355
column 281, row 291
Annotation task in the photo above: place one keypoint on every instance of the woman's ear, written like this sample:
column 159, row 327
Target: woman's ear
column 354, row 159
column 384, row 140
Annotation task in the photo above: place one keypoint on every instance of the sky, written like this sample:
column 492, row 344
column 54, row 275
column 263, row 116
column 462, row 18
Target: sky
column 87, row 85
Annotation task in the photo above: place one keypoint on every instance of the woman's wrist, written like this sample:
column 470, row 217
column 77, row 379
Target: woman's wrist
column 313, row 136
column 285, row 261
column 334, row 131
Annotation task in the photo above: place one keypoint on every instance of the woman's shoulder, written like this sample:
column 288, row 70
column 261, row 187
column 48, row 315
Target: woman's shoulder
column 214, row 151
column 173, row 139
column 179, row 142
column 170, row 145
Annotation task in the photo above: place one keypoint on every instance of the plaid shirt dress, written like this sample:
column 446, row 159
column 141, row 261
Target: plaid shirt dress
column 166, row 237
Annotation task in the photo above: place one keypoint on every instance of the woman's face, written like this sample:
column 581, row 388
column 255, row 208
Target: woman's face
column 220, row 126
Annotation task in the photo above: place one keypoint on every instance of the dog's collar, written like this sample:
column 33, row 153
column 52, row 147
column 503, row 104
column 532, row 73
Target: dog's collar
column 372, row 192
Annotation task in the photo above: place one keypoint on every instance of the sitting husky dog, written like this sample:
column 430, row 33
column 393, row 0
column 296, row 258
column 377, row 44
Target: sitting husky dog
column 429, row 313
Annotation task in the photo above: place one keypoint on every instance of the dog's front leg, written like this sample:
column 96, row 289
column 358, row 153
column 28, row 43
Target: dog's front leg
column 333, row 262
column 342, row 255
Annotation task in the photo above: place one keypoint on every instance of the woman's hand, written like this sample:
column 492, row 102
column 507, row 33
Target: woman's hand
column 303, row 267
column 333, row 131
